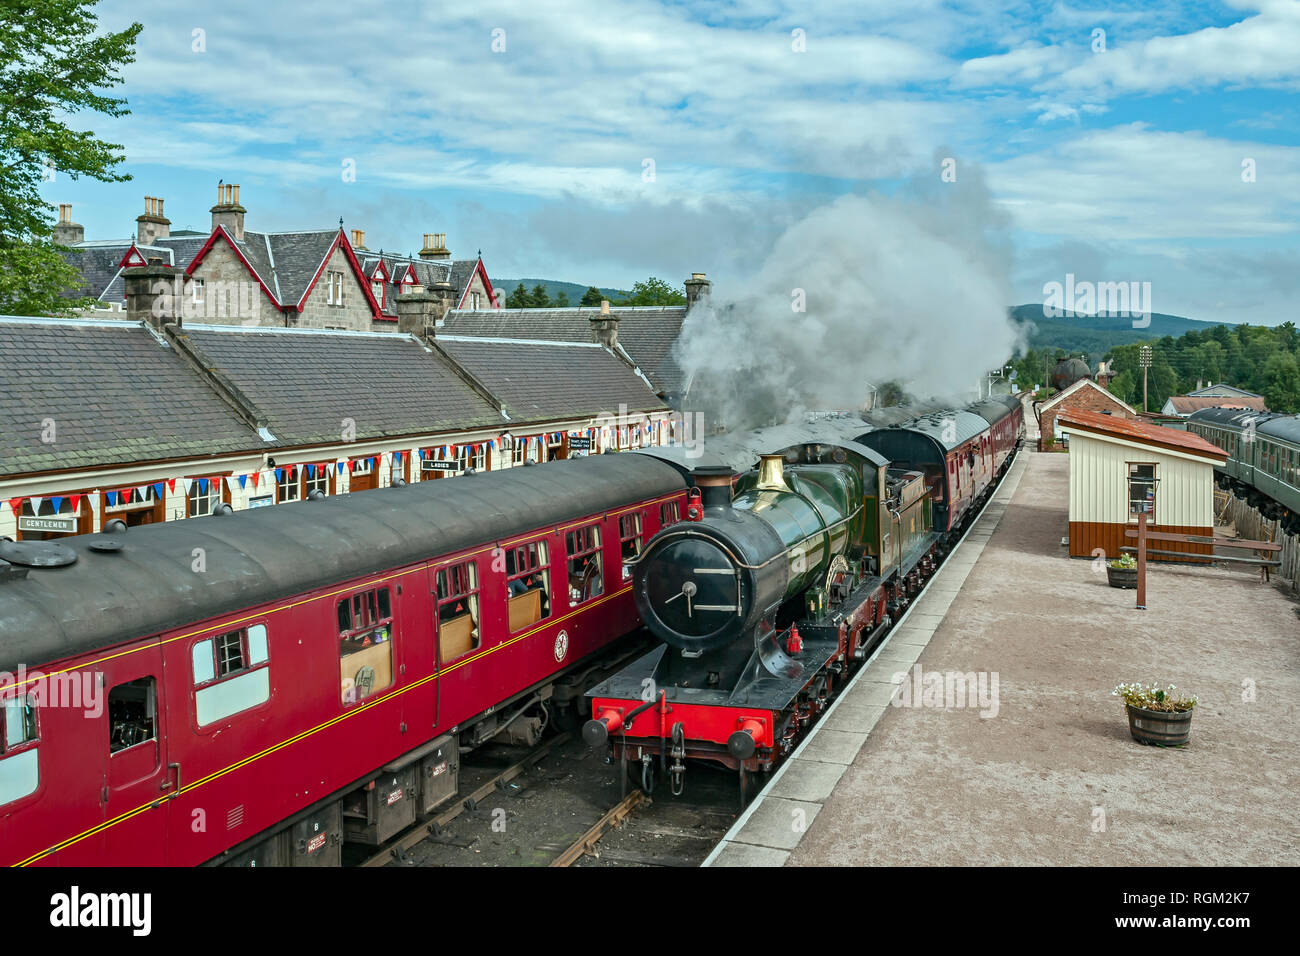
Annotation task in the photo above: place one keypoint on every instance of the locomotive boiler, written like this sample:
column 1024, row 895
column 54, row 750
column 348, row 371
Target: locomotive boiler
column 762, row 598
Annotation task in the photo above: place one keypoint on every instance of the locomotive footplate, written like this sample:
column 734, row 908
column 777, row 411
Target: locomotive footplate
column 662, row 696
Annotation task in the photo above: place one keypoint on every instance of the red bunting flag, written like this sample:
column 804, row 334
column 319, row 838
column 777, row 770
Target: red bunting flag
column 256, row 475
column 16, row 504
column 75, row 502
column 351, row 463
column 171, row 485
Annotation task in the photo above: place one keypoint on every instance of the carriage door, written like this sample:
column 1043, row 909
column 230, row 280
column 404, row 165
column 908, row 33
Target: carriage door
column 133, row 734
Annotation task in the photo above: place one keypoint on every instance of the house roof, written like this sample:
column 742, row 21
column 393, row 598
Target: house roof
column 1129, row 429
column 308, row 383
column 1186, row 404
column 541, row 381
column 1081, row 384
column 1221, row 389
column 646, row 333
column 113, row 391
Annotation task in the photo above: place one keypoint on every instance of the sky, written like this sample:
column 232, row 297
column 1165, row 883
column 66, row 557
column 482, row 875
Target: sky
column 602, row 142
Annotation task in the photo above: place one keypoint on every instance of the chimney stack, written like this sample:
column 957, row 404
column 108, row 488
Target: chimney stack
column 153, row 224
column 604, row 326
column 435, row 246
column 228, row 212
column 154, row 293
column 697, row 286
column 67, row 232
column 358, row 239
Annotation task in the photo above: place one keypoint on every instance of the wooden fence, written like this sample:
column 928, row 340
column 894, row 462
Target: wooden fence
column 1249, row 523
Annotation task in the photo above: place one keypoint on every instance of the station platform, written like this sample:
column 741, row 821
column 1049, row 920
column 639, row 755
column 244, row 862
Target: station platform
column 1037, row 766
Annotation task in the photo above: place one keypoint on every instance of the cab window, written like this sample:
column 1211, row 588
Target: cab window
column 365, row 622
column 528, row 584
column 456, row 588
column 582, row 547
column 18, row 744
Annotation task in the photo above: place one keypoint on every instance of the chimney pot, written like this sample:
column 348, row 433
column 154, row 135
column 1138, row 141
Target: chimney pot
column 604, row 306
column 236, row 200
column 67, row 232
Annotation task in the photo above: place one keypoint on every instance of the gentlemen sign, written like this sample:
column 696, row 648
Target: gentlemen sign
column 430, row 464
column 60, row 524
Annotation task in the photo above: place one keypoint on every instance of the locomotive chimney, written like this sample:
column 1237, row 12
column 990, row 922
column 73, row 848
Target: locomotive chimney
column 714, row 483
column 771, row 473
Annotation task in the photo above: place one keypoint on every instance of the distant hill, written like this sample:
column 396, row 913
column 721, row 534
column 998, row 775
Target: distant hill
column 573, row 290
column 1096, row 335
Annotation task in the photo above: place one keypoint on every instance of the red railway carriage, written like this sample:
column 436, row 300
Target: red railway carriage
column 258, row 687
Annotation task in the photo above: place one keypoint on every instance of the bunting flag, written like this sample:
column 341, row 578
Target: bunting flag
column 421, row 453
column 279, row 474
column 57, row 501
column 112, row 498
column 74, row 502
column 243, row 481
column 341, row 466
column 158, row 490
column 311, row 471
column 203, row 486
column 351, row 464
column 16, row 505
column 188, row 483
column 171, row 485
column 397, row 458
column 143, row 492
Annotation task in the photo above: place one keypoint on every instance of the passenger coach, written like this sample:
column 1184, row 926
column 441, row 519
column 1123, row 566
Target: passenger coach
column 258, row 687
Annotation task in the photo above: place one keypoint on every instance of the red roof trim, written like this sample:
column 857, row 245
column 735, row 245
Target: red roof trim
column 479, row 270
column 126, row 262
column 217, row 233
column 1142, row 432
column 341, row 241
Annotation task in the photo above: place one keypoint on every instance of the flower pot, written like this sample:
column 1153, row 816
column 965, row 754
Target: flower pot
column 1158, row 727
column 1122, row 577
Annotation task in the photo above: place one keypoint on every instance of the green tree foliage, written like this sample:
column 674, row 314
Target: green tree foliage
column 653, row 291
column 592, row 297
column 538, row 299
column 53, row 64
column 1255, row 358
column 518, row 299
column 561, row 300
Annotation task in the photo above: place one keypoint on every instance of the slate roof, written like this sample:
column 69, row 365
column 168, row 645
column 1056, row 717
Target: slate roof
column 307, row 382
column 98, row 262
column 646, row 333
column 1186, row 404
column 427, row 272
column 541, row 381
column 116, row 394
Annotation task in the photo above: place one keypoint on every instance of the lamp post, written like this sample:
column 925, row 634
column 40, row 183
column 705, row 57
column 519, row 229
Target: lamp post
column 1144, row 359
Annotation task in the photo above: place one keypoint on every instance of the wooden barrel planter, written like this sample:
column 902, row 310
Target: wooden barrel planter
column 1122, row 577
column 1159, row 728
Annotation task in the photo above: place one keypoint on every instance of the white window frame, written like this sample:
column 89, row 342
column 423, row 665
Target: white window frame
column 197, row 291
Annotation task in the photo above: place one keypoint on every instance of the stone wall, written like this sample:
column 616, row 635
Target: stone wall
column 317, row 312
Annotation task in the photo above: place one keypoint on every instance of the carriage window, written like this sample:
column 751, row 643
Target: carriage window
column 132, row 714
column 365, row 622
column 229, row 673
column 629, row 536
column 582, row 546
column 528, row 584
column 669, row 514
column 18, row 760
column 457, row 594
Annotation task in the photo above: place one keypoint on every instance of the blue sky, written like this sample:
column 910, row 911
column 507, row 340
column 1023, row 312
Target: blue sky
column 1116, row 156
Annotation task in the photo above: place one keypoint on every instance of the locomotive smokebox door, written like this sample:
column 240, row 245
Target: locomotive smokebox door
column 439, row 774
column 374, row 812
column 317, row 840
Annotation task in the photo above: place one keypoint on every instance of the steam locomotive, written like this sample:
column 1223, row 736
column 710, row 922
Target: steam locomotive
column 783, row 577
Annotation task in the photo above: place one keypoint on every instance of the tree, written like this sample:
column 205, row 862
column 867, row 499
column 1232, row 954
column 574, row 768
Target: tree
column 538, row 299
column 561, row 300
column 518, row 299
column 592, row 297
column 1280, row 383
column 1122, row 387
column 654, row 292
column 52, row 62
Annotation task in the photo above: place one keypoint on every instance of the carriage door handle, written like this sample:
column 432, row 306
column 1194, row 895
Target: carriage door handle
column 167, row 783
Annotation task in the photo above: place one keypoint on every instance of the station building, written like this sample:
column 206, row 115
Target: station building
column 1083, row 395
column 154, row 417
column 1123, row 468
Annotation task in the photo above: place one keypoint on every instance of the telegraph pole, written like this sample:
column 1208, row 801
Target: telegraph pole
column 1144, row 357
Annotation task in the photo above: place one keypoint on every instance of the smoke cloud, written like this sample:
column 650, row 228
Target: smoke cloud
column 912, row 289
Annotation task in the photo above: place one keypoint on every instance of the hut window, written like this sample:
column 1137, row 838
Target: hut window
column 1141, row 490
